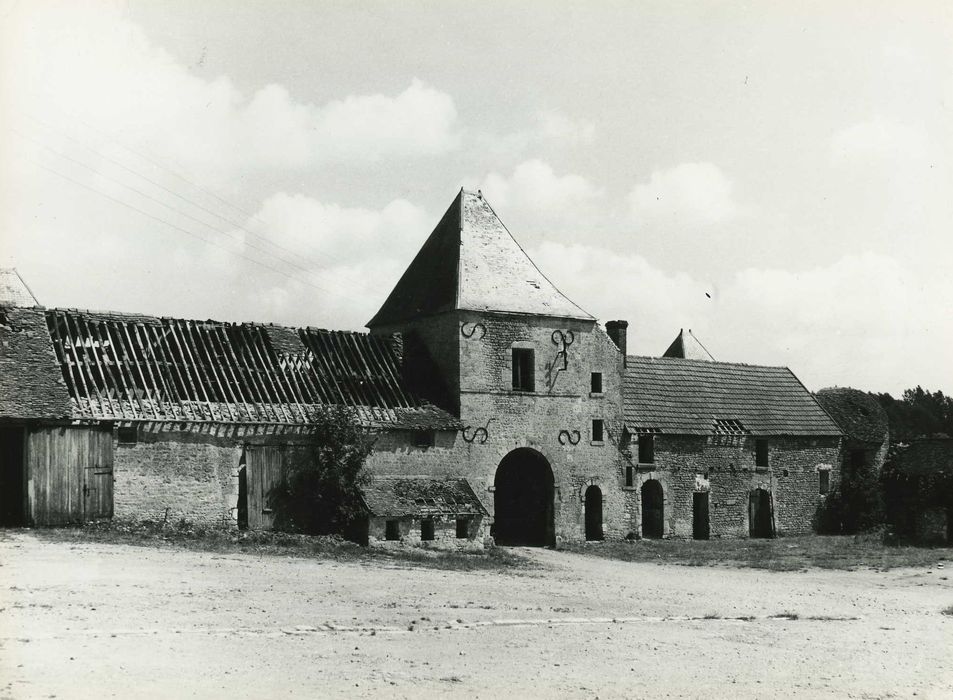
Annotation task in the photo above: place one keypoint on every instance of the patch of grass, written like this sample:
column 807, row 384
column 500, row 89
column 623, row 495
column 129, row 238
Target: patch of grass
column 783, row 554
column 208, row 539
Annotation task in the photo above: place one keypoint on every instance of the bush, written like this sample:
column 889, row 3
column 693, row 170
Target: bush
column 853, row 505
column 320, row 489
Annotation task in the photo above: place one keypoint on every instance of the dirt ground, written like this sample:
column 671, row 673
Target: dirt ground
column 100, row 620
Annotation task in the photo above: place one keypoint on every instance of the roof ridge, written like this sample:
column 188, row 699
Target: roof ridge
column 704, row 362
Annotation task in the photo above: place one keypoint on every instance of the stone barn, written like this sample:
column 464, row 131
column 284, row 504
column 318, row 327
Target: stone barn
column 497, row 406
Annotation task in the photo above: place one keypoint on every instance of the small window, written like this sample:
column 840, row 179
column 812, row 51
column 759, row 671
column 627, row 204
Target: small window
column 127, row 435
column 425, row 438
column 595, row 383
column 463, row 528
column 392, row 530
column 597, row 430
column 524, row 370
column 426, row 530
column 629, row 476
column 646, row 449
column 824, row 481
column 761, row 453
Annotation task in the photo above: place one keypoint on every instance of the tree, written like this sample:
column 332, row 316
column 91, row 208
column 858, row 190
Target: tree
column 320, row 489
column 918, row 413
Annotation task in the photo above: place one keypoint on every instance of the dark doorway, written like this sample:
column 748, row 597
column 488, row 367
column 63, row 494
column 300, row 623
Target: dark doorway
column 594, row 514
column 760, row 517
column 701, row 530
column 523, row 500
column 243, row 498
column 12, row 491
column 653, row 509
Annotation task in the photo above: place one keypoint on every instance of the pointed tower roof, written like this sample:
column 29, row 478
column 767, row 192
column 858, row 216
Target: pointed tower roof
column 472, row 262
column 688, row 347
column 13, row 290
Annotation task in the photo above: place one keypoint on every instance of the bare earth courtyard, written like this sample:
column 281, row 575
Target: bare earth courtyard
column 109, row 620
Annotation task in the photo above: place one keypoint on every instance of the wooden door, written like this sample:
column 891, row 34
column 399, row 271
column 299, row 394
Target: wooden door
column 98, row 488
column 262, row 473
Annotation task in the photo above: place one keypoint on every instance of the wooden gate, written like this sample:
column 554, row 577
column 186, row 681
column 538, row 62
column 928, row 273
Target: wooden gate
column 262, row 473
column 69, row 475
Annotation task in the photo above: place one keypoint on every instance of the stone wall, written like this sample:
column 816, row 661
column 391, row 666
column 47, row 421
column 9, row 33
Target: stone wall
column 724, row 466
column 445, row 533
column 177, row 475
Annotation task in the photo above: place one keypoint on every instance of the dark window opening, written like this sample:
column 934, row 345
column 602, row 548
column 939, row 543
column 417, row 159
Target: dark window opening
column 646, row 449
column 824, row 481
column 425, row 438
column 761, row 453
column 392, row 530
column 127, row 435
column 597, row 430
column 595, row 383
column 629, row 476
column 426, row 530
column 524, row 370
column 463, row 528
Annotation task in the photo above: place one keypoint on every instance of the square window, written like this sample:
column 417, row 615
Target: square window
column 425, row 438
column 824, row 481
column 597, row 430
column 392, row 530
column 463, row 528
column 629, row 476
column 127, row 435
column 595, row 383
column 646, row 449
column 524, row 370
column 761, row 453
column 426, row 530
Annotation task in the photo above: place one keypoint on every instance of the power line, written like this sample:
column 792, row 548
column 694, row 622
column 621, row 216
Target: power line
column 174, row 226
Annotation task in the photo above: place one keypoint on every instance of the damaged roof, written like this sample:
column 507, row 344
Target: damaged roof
column 135, row 367
column 421, row 497
column 472, row 262
column 859, row 414
column 696, row 397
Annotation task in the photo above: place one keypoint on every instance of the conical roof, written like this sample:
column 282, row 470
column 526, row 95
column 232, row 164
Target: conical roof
column 13, row 290
column 688, row 347
column 471, row 262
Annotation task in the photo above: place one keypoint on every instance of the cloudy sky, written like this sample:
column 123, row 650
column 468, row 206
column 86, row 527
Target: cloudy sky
column 776, row 176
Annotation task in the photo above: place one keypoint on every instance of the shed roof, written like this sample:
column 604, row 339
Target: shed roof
column 136, row 367
column 858, row 414
column 696, row 397
column 472, row 262
column 421, row 497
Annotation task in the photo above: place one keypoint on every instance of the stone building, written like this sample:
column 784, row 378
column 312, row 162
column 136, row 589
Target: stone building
column 498, row 406
column 865, row 426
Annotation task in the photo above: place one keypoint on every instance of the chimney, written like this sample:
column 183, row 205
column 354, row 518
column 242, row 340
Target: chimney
column 396, row 341
column 617, row 331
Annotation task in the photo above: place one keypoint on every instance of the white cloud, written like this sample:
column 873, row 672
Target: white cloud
column 534, row 186
column 690, row 194
column 99, row 69
column 878, row 139
column 557, row 126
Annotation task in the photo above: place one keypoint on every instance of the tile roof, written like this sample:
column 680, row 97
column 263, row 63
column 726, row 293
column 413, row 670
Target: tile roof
column 686, row 397
column 858, row 414
column 688, row 347
column 136, row 367
column 472, row 262
column 31, row 385
column 13, row 290
column 421, row 497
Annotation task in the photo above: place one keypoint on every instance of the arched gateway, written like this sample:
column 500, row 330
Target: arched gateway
column 523, row 500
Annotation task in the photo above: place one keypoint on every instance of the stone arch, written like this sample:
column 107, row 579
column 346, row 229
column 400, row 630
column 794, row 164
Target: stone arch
column 523, row 495
column 653, row 509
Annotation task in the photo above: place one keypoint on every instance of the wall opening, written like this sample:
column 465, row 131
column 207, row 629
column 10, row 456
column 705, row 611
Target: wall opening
column 523, row 500
column 824, row 481
column 392, row 530
column 653, row 509
column 463, row 528
column 595, row 383
column 761, row 453
column 12, row 478
column 524, row 370
column 760, row 517
column 243, row 498
column 598, row 430
column 594, row 514
column 426, row 530
column 701, row 527
column 629, row 475
column 646, row 449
